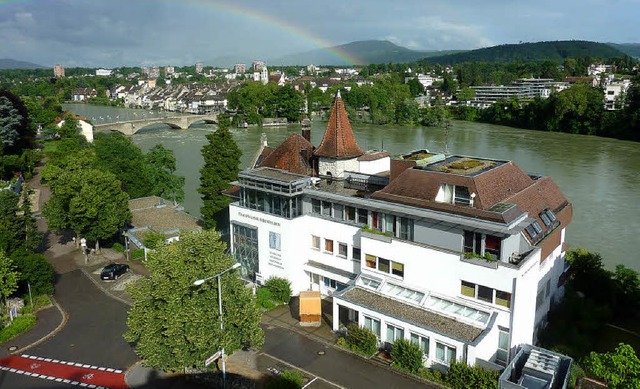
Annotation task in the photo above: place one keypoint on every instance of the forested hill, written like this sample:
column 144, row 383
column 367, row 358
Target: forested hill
column 632, row 49
column 7, row 63
column 525, row 52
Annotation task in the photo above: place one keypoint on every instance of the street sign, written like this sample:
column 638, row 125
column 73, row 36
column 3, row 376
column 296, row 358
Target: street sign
column 212, row 358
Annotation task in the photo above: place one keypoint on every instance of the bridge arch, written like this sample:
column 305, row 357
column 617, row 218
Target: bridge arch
column 129, row 128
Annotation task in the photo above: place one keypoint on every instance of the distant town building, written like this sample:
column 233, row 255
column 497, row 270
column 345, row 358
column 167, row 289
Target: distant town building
column 104, row 72
column 260, row 72
column 613, row 94
column 199, row 67
column 258, row 65
column 168, row 70
column 523, row 89
column 145, row 70
column 239, row 68
column 154, row 72
column 312, row 69
column 82, row 94
column 58, row 71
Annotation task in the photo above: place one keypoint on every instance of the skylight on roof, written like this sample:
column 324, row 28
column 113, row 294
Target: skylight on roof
column 369, row 282
column 461, row 311
column 401, row 291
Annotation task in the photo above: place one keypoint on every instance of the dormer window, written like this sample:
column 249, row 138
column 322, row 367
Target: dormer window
column 534, row 230
column 452, row 194
column 548, row 217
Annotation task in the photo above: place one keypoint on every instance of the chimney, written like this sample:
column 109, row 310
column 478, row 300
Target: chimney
column 306, row 129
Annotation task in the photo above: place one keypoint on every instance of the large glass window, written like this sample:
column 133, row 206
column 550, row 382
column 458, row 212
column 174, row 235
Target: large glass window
column 338, row 211
column 315, row 206
column 394, row 333
column 406, row 229
column 468, row 289
column 422, row 342
column 350, row 214
column 363, row 216
column 385, row 265
column 371, row 261
column 502, row 353
column 390, row 224
column 503, row 298
column 444, row 353
column 372, row 324
column 485, row 294
column 326, row 208
column 397, row 269
column 245, row 250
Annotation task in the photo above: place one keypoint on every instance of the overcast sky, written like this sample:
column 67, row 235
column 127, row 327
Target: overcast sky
column 112, row 33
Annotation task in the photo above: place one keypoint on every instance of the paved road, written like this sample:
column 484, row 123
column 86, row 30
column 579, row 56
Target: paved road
column 93, row 334
column 336, row 367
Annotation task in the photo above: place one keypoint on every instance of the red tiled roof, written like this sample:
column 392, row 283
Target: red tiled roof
column 339, row 141
column 294, row 155
column 505, row 183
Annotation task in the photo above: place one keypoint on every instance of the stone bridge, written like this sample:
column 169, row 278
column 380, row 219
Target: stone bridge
column 131, row 127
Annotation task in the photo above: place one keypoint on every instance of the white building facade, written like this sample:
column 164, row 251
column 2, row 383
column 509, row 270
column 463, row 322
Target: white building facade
column 463, row 256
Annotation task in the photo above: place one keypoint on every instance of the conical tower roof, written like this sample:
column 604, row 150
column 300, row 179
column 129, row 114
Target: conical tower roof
column 338, row 141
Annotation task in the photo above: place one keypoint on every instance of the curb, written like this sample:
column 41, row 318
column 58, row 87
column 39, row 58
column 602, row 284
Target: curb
column 103, row 289
column 65, row 319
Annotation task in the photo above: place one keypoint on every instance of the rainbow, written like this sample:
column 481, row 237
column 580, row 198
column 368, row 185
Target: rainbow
column 279, row 24
column 252, row 14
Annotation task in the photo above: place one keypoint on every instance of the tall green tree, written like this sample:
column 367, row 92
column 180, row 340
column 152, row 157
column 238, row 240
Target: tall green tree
column 18, row 228
column 221, row 167
column 35, row 271
column 619, row 369
column 88, row 201
column 175, row 324
column 15, row 131
column 9, row 277
column 161, row 167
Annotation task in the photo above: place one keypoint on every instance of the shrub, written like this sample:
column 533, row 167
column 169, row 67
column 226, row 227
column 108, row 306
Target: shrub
column 462, row 376
column 361, row 340
column 39, row 301
column 280, row 289
column 342, row 342
column 431, row 375
column 137, row 254
column 290, row 379
column 264, row 299
column 576, row 373
column 118, row 247
column 406, row 356
column 35, row 271
column 19, row 325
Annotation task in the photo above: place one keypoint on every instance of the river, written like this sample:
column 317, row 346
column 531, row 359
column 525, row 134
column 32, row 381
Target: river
column 600, row 176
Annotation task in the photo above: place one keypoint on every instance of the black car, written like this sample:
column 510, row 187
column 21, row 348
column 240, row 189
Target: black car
column 113, row 271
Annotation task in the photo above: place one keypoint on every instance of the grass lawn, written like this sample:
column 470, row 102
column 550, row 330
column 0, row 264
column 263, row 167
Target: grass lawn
column 611, row 337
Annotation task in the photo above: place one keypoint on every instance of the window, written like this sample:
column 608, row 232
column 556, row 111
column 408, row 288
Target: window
column 363, row 216
column 371, row 261
column 373, row 325
column 422, row 342
column 445, row 354
column 397, row 269
column 274, row 241
column 315, row 242
column 473, row 242
column 329, row 283
column 338, row 211
column 356, row 253
column 326, row 208
column 485, row 294
column 406, row 229
column 536, row 226
column 531, row 231
column 315, row 206
column 390, row 224
column 492, row 246
column 468, row 289
column 383, row 265
column 502, row 354
column 545, row 219
column 350, row 214
column 342, row 249
column 461, row 196
column 550, row 214
column 375, row 221
column 328, row 246
column 503, row 298
column 394, row 333
column 401, row 291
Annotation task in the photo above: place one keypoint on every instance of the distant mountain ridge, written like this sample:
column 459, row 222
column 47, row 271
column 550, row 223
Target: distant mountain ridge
column 632, row 49
column 8, row 63
column 537, row 51
column 365, row 52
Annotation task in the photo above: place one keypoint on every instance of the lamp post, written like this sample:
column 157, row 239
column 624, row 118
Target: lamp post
column 217, row 277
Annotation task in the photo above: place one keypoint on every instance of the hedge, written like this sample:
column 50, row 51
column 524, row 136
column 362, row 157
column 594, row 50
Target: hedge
column 19, row 325
column 361, row 340
column 280, row 289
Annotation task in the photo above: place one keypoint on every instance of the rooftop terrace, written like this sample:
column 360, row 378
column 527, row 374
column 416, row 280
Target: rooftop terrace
column 463, row 166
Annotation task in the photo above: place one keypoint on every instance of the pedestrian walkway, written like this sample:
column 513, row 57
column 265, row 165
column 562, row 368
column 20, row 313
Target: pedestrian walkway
column 71, row 373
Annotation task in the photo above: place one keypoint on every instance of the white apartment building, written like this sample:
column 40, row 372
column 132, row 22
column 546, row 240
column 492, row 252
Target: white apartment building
column 462, row 255
column 614, row 94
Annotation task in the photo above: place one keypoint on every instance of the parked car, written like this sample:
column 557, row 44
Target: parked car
column 113, row 271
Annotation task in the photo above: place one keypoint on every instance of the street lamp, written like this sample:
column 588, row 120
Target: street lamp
column 202, row 281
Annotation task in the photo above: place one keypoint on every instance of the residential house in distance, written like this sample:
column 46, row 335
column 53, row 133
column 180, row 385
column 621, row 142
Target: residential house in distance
column 82, row 94
column 104, row 72
column 613, row 94
column 523, row 89
column 58, row 71
column 199, row 67
column 239, row 68
column 462, row 255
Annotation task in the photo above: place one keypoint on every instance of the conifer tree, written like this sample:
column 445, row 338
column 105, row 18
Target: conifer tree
column 221, row 167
